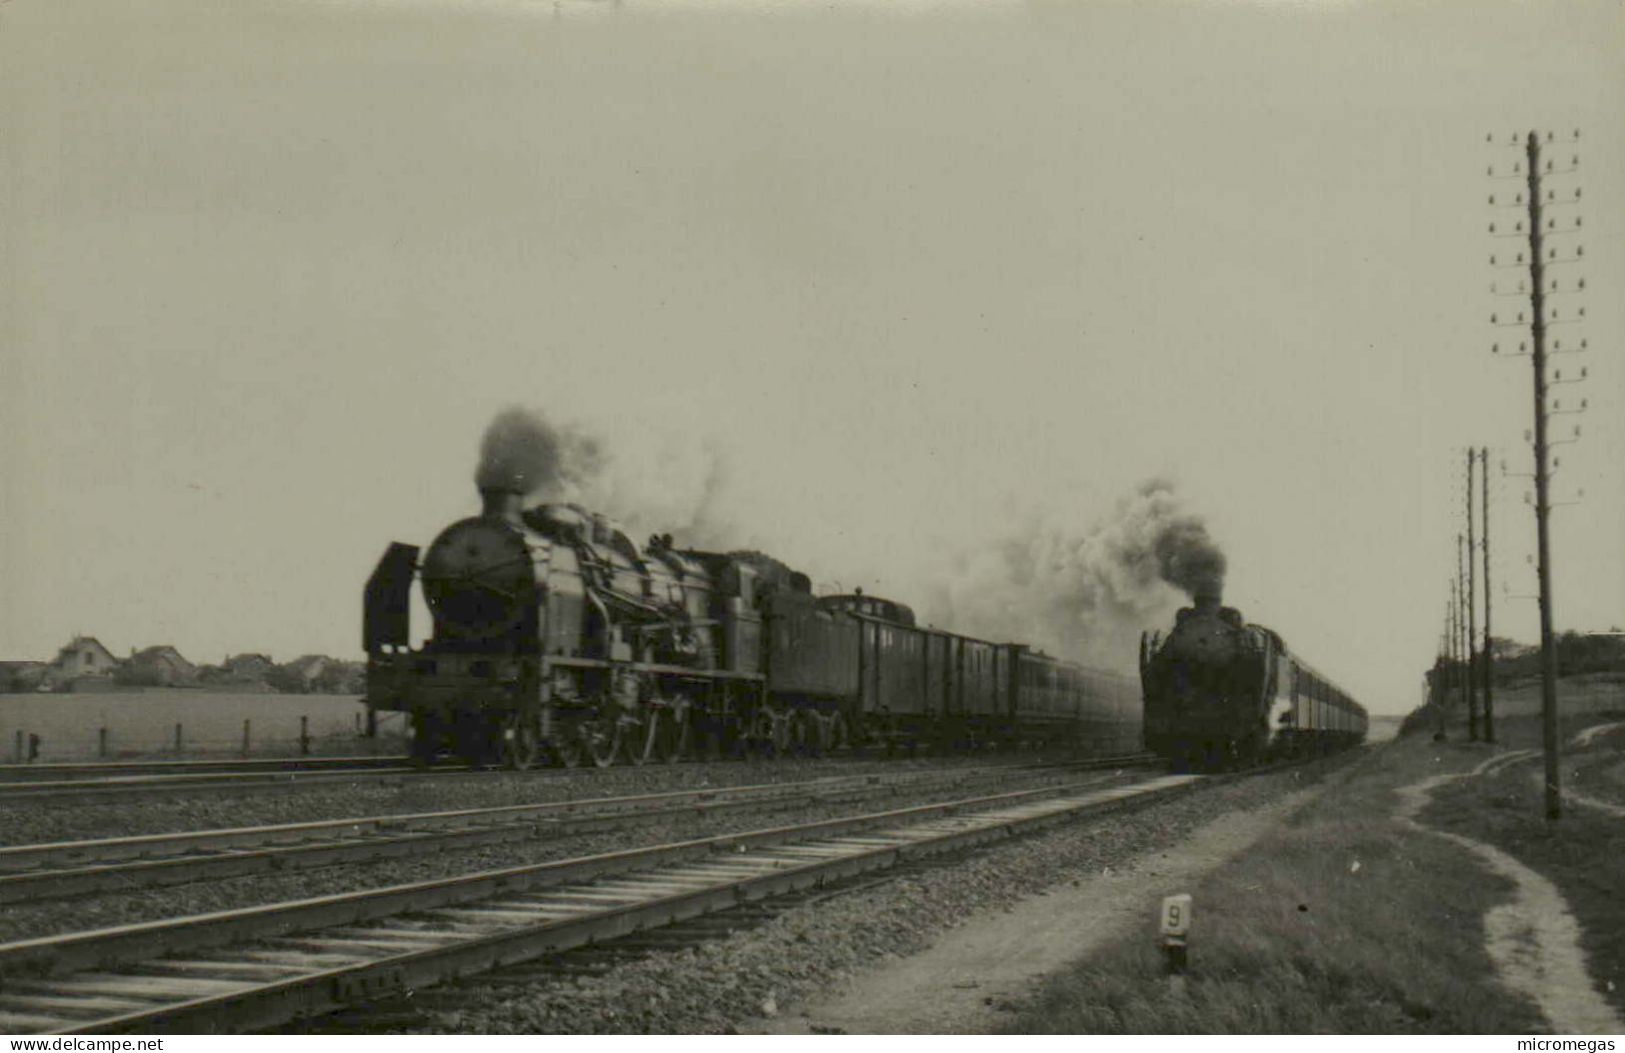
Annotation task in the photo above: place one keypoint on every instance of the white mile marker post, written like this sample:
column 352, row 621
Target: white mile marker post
column 1176, row 925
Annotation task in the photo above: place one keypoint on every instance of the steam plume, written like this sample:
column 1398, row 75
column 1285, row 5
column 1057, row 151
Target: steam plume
column 524, row 452
column 649, row 478
column 1086, row 595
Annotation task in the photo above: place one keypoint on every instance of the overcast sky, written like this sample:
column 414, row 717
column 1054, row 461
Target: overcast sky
column 906, row 278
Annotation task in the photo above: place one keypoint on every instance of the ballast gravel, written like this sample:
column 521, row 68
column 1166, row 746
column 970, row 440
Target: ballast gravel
column 713, row 986
column 24, row 822
column 29, row 920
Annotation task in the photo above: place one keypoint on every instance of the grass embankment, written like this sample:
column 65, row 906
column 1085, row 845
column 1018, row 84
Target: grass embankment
column 1344, row 920
column 1583, row 853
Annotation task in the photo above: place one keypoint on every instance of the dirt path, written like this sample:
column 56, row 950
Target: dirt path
column 957, row 985
column 1534, row 941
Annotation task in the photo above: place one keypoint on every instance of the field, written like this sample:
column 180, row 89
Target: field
column 142, row 725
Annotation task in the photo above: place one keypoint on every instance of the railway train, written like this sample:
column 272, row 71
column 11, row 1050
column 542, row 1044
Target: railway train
column 1220, row 693
column 557, row 639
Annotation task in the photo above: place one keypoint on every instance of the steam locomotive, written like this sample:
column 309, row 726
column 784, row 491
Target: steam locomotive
column 1221, row 693
column 556, row 638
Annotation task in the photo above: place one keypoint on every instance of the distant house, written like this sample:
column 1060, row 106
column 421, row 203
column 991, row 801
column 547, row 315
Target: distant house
column 158, row 666
column 248, row 666
column 239, row 673
column 23, row 676
column 83, row 657
column 302, row 675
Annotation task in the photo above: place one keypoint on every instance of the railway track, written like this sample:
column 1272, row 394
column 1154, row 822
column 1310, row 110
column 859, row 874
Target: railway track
column 259, row 967
column 31, row 873
column 56, row 771
column 240, row 777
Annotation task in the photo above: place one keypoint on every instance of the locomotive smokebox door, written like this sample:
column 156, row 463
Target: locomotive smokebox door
column 1176, row 925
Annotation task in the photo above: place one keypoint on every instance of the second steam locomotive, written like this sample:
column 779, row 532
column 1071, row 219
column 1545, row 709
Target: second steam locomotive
column 1222, row 693
column 557, row 638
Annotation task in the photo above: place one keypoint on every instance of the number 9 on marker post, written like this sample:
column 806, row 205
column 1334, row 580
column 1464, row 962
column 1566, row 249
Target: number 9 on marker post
column 1176, row 918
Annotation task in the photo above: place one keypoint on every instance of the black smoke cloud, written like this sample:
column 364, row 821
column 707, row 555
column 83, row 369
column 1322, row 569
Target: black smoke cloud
column 524, row 452
column 647, row 476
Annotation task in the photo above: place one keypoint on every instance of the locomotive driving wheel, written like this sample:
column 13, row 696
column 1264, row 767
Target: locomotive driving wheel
column 569, row 744
column 646, row 737
column 521, row 741
column 604, row 734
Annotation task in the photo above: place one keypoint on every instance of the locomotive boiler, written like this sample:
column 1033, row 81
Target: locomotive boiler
column 557, row 638
column 1223, row 693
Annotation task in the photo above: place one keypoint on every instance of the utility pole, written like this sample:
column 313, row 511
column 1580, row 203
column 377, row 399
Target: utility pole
column 1472, row 612
column 1487, row 656
column 1548, row 654
column 1535, row 202
column 1465, row 678
column 1453, row 668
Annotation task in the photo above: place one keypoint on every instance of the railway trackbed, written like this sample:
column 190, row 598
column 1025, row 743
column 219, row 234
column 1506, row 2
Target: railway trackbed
column 81, row 782
column 91, row 781
column 36, row 872
column 258, row 967
column 51, row 771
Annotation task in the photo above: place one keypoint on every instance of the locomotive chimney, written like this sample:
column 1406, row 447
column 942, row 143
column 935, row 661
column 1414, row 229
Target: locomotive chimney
column 500, row 503
column 1206, row 600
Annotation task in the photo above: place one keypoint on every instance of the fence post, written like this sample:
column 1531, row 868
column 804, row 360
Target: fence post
column 304, row 736
column 179, row 741
column 247, row 735
column 101, row 743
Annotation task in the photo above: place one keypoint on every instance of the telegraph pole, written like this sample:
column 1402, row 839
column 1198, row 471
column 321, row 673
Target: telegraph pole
column 1453, row 667
column 1465, row 666
column 1472, row 612
column 1548, row 654
column 1540, row 320
column 1487, row 656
